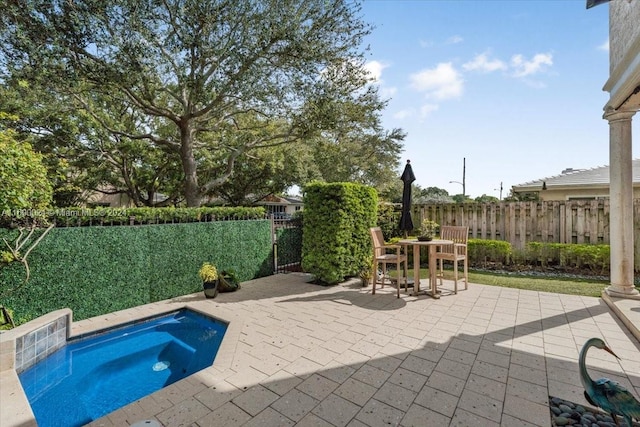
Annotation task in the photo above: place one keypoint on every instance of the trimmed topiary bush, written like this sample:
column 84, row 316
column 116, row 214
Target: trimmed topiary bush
column 335, row 241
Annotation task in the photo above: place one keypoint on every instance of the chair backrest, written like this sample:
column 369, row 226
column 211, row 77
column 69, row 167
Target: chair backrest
column 456, row 233
column 377, row 239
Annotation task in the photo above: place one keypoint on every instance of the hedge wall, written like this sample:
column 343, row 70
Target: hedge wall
column 98, row 270
column 335, row 239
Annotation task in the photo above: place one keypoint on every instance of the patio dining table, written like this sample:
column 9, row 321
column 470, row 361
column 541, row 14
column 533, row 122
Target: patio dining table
column 433, row 246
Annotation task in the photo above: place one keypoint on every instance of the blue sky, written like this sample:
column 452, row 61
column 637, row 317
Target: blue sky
column 513, row 86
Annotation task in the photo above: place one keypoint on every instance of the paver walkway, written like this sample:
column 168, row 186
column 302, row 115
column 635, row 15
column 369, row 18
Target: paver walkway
column 307, row 355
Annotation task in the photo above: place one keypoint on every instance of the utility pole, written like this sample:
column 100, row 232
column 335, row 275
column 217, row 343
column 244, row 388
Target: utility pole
column 464, row 171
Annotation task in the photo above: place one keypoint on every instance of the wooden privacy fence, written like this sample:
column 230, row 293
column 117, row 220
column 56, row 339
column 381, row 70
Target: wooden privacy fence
column 573, row 221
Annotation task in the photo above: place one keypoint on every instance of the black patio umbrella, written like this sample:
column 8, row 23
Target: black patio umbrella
column 406, row 224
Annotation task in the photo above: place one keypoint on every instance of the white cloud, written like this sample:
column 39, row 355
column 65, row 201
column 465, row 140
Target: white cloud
column 388, row 92
column 425, row 43
column 442, row 82
column 403, row 114
column 604, row 46
column 374, row 68
column 524, row 67
column 454, row 40
column 427, row 109
column 482, row 63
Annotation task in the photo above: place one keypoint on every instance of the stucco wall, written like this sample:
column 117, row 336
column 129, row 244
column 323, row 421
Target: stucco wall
column 624, row 16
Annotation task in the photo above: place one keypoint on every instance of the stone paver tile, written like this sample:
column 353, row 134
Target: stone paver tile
column 464, row 418
column 371, row 375
column 338, row 345
column 418, row 416
column 488, row 370
column 460, row 356
column 343, row 340
column 356, row 391
column 336, row 410
column 281, row 382
column 378, row 338
column 437, row 400
column 447, row 383
column 528, row 359
column 465, row 345
column 255, row 400
column 184, row 413
column 303, row 367
column 269, row 418
column 395, row 395
column 408, row 379
column 228, row 415
column 525, row 373
column 366, row 348
column 481, row 405
column 494, row 358
column 290, row 352
column 428, row 353
column 321, row 355
column 406, row 342
column 510, row 421
column 386, row 363
column 526, row 390
column 318, row 386
column 312, row 420
column 456, row 369
column 354, row 359
column 378, row 414
column 246, row 378
column 483, row 385
column 534, row 413
column 337, row 372
column 569, row 392
column 395, row 350
column 295, row 404
column 418, row 365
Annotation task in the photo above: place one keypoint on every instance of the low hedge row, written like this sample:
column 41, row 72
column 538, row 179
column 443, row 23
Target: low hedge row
column 483, row 252
column 73, row 217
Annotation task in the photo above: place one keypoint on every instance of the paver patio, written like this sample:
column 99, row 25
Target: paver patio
column 306, row 355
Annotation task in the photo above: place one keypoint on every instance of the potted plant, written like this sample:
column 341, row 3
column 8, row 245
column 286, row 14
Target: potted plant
column 229, row 281
column 365, row 276
column 427, row 230
column 209, row 275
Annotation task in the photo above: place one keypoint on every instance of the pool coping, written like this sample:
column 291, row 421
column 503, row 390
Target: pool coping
column 16, row 408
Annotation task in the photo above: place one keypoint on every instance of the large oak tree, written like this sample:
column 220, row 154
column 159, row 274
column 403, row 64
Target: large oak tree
column 183, row 73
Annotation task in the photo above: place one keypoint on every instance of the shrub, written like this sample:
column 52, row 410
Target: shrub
column 335, row 239
column 481, row 252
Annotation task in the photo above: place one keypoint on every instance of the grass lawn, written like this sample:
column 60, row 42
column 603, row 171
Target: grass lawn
column 571, row 286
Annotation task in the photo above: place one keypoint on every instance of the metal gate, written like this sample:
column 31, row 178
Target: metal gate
column 287, row 245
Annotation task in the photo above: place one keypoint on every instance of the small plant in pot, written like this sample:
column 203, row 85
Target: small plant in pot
column 428, row 230
column 210, row 279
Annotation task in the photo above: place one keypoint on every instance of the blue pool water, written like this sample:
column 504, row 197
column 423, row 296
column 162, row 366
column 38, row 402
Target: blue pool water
column 97, row 374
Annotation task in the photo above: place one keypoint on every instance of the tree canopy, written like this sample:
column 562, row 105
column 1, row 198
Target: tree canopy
column 197, row 86
column 23, row 177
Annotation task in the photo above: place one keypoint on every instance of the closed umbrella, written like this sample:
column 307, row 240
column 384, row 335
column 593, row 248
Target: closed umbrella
column 406, row 224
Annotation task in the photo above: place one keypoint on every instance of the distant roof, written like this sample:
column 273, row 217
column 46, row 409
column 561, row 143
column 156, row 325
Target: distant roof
column 594, row 177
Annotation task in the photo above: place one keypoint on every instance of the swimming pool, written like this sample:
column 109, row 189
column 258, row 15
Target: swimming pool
column 94, row 375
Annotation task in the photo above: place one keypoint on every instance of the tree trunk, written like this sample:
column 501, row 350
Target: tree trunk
column 191, row 189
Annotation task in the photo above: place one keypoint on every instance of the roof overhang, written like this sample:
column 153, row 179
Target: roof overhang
column 624, row 82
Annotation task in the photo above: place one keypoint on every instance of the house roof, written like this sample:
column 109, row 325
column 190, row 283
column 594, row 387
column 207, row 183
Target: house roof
column 597, row 177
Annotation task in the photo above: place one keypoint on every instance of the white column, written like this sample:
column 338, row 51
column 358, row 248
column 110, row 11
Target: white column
column 621, row 205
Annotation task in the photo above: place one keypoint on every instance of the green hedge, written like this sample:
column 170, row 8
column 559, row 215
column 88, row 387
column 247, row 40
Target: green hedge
column 482, row 251
column 335, row 239
column 73, row 217
column 98, row 270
